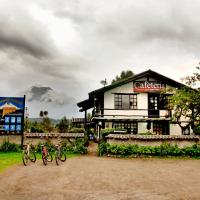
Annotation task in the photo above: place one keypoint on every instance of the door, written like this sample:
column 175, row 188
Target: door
column 153, row 100
column 161, row 127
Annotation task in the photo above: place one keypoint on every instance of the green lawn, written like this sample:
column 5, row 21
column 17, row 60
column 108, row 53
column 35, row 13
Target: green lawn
column 12, row 158
column 9, row 159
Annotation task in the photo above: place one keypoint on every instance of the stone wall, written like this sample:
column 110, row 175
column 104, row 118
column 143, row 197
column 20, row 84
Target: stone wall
column 35, row 138
column 153, row 140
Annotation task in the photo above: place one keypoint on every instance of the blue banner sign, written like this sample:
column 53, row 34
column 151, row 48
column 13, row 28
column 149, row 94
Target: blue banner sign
column 12, row 115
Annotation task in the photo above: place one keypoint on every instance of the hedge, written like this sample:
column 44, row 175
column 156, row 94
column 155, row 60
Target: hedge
column 165, row 149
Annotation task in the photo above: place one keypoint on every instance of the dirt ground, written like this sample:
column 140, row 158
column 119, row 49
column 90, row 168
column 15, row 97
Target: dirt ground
column 97, row 178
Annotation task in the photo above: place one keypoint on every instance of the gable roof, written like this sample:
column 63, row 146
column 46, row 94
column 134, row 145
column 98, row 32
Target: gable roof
column 148, row 73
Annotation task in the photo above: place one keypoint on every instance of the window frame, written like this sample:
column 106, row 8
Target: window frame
column 118, row 101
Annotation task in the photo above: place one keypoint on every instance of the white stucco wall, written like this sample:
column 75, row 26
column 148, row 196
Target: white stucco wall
column 175, row 129
column 142, row 106
column 109, row 95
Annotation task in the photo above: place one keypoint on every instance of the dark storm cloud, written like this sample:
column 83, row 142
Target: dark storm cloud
column 36, row 92
column 24, row 34
column 27, row 45
column 45, row 94
column 127, row 25
column 69, row 46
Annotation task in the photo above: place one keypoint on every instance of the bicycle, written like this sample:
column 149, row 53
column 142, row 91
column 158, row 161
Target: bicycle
column 46, row 156
column 59, row 155
column 28, row 153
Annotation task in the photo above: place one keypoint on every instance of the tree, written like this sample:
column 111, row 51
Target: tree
column 186, row 103
column 45, row 113
column 123, row 75
column 46, row 124
column 193, row 80
column 63, row 125
column 41, row 114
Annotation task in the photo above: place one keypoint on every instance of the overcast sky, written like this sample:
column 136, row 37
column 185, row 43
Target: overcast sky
column 58, row 51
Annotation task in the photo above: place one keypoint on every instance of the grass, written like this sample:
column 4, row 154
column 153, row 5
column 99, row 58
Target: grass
column 8, row 159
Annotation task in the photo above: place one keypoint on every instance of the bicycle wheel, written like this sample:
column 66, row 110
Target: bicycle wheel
column 49, row 157
column 25, row 158
column 57, row 157
column 63, row 157
column 32, row 156
column 44, row 159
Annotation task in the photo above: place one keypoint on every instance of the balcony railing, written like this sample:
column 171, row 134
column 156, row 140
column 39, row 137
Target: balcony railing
column 80, row 120
column 134, row 113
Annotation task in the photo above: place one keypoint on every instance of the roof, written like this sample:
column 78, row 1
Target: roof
column 85, row 105
column 149, row 73
column 88, row 103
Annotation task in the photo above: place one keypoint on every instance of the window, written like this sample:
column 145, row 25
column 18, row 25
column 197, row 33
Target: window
column 125, row 101
column 186, row 130
column 165, row 102
column 131, row 127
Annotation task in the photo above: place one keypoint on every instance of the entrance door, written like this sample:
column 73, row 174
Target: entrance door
column 161, row 127
column 153, row 100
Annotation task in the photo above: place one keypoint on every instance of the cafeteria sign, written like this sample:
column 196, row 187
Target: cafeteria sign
column 147, row 86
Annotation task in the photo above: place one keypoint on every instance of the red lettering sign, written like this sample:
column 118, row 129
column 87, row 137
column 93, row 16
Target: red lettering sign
column 146, row 86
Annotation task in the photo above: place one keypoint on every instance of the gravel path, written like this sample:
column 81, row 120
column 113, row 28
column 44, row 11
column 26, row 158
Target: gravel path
column 94, row 178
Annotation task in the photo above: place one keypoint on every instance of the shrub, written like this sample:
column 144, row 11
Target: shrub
column 79, row 146
column 107, row 131
column 165, row 149
column 197, row 130
column 76, row 146
column 146, row 133
column 77, row 130
column 103, row 148
column 49, row 145
column 7, row 146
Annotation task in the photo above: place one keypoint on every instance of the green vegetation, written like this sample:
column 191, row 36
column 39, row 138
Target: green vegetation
column 9, row 159
column 76, row 130
column 165, row 149
column 11, row 153
column 63, row 125
column 146, row 133
column 186, row 102
column 107, row 131
column 10, row 147
column 124, row 75
column 74, row 147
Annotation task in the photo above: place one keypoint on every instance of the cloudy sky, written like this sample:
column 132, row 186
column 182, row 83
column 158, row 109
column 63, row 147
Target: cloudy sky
column 58, row 51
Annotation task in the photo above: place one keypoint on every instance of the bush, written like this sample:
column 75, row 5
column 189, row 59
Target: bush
column 79, row 146
column 146, row 133
column 103, row 148
column 197, row 130
column 49, row 145
column 165, row 149
column 73, row 147
column 36, row 129
column 107, row 131
column 77, row 130
column 7, row 147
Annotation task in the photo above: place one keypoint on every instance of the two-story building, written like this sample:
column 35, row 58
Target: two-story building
column 137, row 104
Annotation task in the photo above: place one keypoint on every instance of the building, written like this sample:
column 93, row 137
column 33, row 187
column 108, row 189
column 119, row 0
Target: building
column 138, row 104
